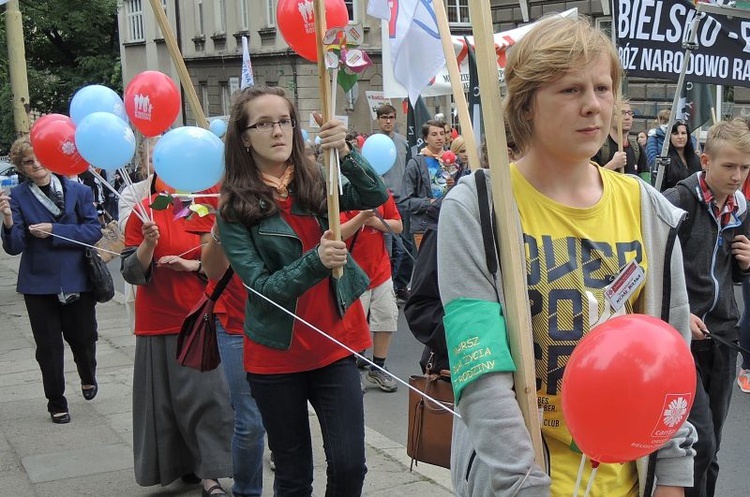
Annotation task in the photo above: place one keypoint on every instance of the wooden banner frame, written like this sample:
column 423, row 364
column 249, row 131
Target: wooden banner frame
column 324, row 85
column 512, row 259
column 179, row 63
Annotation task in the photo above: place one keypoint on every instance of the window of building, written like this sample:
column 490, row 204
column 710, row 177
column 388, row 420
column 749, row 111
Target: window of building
column 458, row 11
column 159, row 33
column 244, row 24
column 605, row 25
column 226, row 102
column 220, row 15
column 204, row 97
column 199, row 16
column 351, row 8
column 271, row 13
column 134, row 20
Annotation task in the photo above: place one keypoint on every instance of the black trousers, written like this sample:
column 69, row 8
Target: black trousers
column 716, row 367
column 52, row 321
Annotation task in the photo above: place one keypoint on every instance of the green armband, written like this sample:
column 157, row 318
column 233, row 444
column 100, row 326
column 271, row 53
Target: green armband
column 477, row 341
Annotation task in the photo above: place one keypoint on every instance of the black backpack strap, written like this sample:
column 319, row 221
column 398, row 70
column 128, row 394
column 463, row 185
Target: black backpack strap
column 486, row 220
column 222, row 284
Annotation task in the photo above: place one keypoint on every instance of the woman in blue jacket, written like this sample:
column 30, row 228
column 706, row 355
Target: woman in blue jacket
column 43, row 219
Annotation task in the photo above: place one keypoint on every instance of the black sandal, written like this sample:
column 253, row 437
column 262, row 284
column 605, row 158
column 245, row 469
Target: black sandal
column 60, row 418
column 90, row 393
column 210, row 492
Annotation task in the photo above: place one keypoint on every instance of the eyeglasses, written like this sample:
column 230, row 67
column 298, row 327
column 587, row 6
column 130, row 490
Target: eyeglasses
column 627, row 113
column 387, row 118
column 267, row 126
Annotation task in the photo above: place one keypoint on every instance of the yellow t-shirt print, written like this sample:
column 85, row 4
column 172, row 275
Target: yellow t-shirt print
column 571, row 256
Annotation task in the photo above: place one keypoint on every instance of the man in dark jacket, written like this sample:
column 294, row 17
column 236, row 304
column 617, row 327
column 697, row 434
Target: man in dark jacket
column 715, row 235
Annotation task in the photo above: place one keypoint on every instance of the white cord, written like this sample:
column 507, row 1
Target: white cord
column 356, row 354
column 591, row 481
column 75, row 241
column 580, row 475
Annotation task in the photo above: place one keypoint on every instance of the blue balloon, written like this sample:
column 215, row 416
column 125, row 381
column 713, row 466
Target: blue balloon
column 189, row 158
column 96, row 98
column 218, row 127
column 305, row 135
column 104, row 140
column 380, row 152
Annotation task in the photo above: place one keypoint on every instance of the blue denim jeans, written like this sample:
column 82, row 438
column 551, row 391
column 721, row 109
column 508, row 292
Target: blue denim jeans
column 336, row 395
column 744, row 330
column 247, row 441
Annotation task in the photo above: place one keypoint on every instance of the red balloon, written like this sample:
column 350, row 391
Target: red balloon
column 43, row 121
column 360, row 141
column 152, row 102
column 296, row 21
column 53, row 140
column 627, row 388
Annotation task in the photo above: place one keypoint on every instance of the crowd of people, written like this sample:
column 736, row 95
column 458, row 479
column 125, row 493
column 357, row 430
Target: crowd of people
column 581, row 176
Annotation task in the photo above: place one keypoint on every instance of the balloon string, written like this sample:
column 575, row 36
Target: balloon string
column 113, row 190
column 196, row 195
column 75, row 241
column 591, row 479
column 440, row 404
column 148, row 173
column 335, row 161
column 137, row 206
column 579, row 478
column 174, row 258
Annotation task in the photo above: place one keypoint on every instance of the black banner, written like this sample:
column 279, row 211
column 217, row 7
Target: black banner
column 650, row 34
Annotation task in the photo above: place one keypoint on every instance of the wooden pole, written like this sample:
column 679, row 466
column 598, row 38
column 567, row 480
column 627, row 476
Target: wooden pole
column 19, row 84
column 332, row 171
column 179, row 63
column 512, row 260
column 467, row 130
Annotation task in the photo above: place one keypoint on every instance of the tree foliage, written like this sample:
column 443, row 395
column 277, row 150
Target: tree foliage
column 69, row 44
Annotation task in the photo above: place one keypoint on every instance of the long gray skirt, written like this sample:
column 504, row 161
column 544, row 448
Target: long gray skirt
column 182, row 418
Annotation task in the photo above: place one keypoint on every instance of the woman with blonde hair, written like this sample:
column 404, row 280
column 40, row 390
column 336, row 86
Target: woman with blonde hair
column 49, row 220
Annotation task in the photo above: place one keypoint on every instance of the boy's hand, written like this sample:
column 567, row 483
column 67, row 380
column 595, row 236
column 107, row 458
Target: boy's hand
column 697, row 327
column 741, row 251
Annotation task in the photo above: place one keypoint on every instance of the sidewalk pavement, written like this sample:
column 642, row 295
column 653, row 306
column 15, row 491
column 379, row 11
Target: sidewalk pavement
column 92, row 455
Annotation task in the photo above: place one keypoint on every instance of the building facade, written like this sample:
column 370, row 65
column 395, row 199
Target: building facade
column 209, row 34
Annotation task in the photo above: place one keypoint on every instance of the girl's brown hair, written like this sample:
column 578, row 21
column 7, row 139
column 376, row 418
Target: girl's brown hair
column 245, row 198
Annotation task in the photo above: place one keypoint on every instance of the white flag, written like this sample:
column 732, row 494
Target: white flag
column 416, row 52
column 247, row 67
column 379, row 9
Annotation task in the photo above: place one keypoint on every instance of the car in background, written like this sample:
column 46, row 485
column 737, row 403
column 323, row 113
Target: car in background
column 8, row 174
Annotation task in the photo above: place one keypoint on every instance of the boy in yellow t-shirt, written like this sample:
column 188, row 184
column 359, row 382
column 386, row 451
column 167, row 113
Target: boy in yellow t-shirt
column 581, row 226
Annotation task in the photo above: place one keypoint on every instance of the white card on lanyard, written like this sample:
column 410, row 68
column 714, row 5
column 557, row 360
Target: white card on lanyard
column 627, row 282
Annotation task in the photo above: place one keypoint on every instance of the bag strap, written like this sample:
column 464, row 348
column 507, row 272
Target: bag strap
column 222, row 284
column 486, row 220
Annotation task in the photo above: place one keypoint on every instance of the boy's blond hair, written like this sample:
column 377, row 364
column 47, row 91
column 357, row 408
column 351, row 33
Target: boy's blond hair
column 556, row 46
column 734, row 133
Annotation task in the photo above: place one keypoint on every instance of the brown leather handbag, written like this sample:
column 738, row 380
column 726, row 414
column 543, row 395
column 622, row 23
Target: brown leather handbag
column 430, row 426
